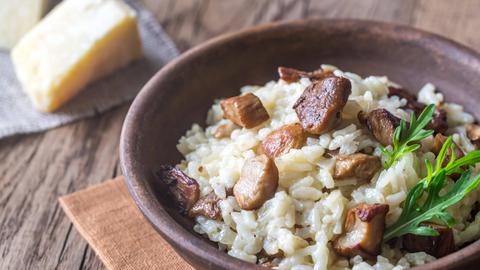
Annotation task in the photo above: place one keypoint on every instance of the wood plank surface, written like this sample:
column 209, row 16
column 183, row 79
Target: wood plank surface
column 36, row 169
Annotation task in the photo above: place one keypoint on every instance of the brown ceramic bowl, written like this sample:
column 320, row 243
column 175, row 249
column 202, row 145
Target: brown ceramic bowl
column 181, row 93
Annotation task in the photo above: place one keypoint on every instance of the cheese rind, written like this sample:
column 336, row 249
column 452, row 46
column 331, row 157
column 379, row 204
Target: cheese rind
column 76, row 43
column 17, row 17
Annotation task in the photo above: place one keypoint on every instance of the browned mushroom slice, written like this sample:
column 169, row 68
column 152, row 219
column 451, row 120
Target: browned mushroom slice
column 364, row 227
column 283, row 139
column 439, row 121
column 381, row 123
column 360, row 166
column 225, row 130
column 473, row 133
column 291, row 75
column 184, row 189
column 258, row 182
column 438, row 142
column 439, row 118
column 206, row 206
column 246, row 110
column 319, row 107
column 437, row 246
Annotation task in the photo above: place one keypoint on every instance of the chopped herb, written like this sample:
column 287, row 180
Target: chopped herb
column 405, row 136
column 416, row 212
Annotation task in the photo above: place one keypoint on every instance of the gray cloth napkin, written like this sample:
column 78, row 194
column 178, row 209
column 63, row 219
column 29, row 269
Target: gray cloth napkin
column 18, row 116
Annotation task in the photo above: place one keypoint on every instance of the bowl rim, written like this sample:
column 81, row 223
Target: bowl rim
column 173, row 232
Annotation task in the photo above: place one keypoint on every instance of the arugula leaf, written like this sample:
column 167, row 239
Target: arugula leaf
column 434, row 206
column 412, row 216
column 404, row 138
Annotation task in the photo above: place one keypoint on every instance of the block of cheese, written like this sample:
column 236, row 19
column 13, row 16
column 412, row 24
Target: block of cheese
column 78, row 42
column 17, row 17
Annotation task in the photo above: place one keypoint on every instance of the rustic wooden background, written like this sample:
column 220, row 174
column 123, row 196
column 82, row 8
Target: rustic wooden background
column 36, row 169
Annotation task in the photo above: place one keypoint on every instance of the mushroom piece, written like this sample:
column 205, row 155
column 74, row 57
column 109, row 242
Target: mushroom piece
column 360, row 166
column 364, row 227
column 258, row 182
column 437, row 246
column 439, row 121
column 225, row 130
column 206, row 206
column 381, row 123
column 184, row 189
column 291, row 75
column 473, row 133
column 439, row 118
column 280, row 141
column 319, row 107
column 246, row 110
column 438, row 142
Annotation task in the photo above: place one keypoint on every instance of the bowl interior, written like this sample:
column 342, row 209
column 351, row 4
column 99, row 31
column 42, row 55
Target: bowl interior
column 181, row 94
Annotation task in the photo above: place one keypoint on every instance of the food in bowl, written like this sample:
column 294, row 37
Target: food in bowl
column 328, row 170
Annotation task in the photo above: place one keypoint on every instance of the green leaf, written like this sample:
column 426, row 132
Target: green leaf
column 411, row 148
column 396, row 137
column 424, row 118
column 422, row 134
column 434, row 207
column 446, row 218
column 424, row 231
column 469, row 159
column 428, row 165
column 405, row 136
column 443, row 152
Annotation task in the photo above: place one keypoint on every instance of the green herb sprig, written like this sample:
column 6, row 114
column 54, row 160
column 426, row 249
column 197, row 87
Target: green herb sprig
column 404, row 138
column 415, row 213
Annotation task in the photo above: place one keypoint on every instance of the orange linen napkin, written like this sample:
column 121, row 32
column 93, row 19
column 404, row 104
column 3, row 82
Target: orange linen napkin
column 106, row 216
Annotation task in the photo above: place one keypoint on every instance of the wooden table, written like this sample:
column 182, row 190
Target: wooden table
column 36, row 169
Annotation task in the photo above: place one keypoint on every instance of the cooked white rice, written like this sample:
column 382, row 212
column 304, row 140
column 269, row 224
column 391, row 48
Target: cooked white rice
column 305, row 172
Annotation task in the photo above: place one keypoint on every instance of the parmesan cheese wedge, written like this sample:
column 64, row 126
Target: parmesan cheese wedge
column 17, row 17
column 77, row 43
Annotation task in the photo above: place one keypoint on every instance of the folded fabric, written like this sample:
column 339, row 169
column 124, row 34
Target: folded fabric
column 106, row 216
column 17, row 114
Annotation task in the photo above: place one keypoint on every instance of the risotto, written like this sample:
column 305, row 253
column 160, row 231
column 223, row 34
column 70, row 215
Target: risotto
column 308, row 172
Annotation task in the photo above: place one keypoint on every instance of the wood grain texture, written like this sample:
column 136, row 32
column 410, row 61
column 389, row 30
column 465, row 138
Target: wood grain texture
column 36, row 169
